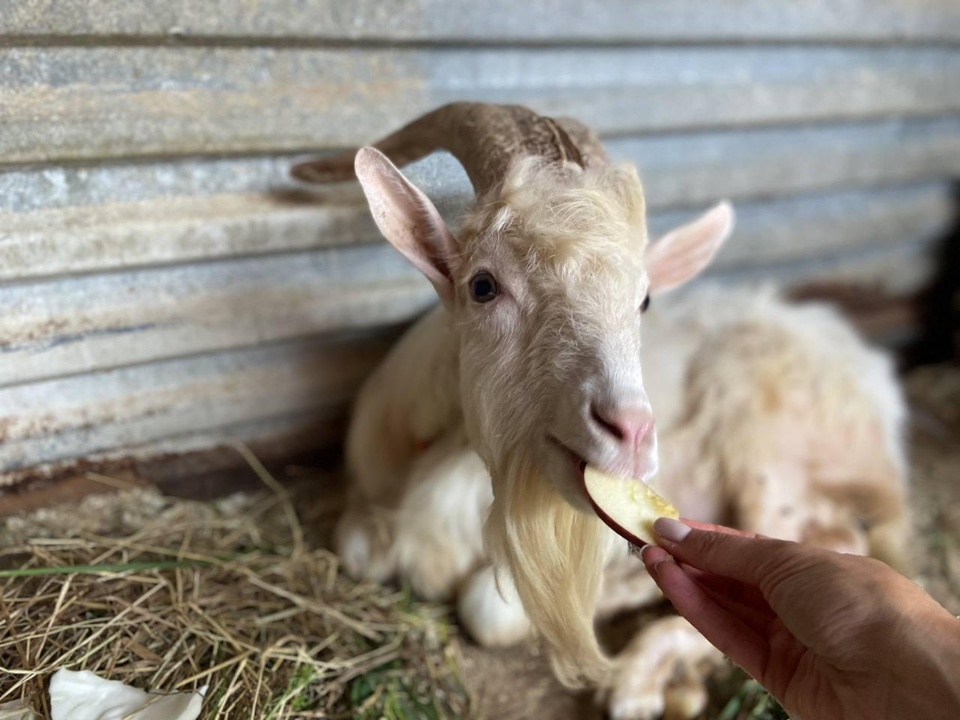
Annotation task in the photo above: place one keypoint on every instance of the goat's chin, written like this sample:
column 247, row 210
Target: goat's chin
column 555, row 556
column 563, row 469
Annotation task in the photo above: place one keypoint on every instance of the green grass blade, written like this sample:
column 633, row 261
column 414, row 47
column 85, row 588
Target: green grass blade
column 94, row 569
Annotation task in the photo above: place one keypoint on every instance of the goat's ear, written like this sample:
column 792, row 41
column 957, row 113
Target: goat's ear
column 683, row 253
column 407, row 219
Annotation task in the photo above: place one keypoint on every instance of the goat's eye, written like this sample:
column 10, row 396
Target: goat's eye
column 645, row 304
column 483, row 287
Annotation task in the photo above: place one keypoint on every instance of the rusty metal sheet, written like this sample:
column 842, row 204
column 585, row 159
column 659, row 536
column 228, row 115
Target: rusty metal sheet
column 70, row 220
column 614, row 21
column 74, row 103
column 90, row 323
column 86, row 324
column 139, row 215
column 161, row 288
column 900, row 270
column 679, row 168
column 198, row 464
column 77, row 416
column 798, row 229
column 112, row 411
column 167, row 231
column 694, row 168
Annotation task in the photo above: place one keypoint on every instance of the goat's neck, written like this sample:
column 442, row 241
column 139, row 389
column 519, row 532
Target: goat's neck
column 427, row 388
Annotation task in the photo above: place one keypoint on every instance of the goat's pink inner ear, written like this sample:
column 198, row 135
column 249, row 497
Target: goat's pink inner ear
column 685, row 252
column 407, row 219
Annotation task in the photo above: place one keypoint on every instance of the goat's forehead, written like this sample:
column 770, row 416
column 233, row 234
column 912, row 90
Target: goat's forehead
column 579, row 263
column 568, row 249
column 583, row 270
column 580, row 236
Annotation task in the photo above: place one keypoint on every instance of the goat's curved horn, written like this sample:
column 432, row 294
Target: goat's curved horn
column 585, row 140
column 486, row 139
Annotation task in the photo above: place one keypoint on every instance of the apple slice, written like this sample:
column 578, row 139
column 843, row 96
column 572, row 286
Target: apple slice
column 628, row 506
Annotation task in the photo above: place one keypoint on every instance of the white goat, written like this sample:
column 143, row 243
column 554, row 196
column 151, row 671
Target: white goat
column 467, row 444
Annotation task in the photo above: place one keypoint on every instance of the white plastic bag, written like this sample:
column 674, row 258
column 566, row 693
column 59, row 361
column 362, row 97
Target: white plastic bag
column 85, row 696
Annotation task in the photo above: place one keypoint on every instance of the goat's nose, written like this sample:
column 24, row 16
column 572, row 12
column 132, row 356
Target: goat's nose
column 630, row 426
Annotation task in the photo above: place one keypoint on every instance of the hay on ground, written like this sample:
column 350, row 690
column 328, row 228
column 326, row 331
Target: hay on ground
column 171, row 595
column 256, row 604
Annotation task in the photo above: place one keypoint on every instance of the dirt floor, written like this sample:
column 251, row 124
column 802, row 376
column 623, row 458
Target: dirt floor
column 935, row 480
column 264, row 540
column 516, row 683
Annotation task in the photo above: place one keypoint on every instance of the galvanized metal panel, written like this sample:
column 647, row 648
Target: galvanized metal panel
column 605, row 21
column 685, row 169
column 898, row 270
column 58, row 420
column 59, row 103
column 179, row 230
column 679, row 168
column 86, row 324
column 192, row 453
column 76, row 416
column 70, row 220
column 91, row 323
column 154, row 294
column 804, row 228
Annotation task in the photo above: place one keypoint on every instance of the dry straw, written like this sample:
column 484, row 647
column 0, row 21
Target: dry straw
column 172, row 595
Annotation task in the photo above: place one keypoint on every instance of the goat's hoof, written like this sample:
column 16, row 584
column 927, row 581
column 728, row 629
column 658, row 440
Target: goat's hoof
column 431, row 569
column 636, row 706
column 364, row 546
column 491, row 619
column 662, row 673
column 680, row 701
column 686, row 698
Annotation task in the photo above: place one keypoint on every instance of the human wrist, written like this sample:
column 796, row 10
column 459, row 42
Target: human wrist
column 945, row 634
column 930, row 667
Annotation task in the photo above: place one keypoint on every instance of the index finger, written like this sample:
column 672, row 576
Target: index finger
column 751, row 560
column 710, row 527
column 726, row 630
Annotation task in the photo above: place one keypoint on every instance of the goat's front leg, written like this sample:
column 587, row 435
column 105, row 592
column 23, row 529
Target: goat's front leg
column 427, row 530
column 663, row 669
column 662, row 673
column 363, row 540
column 439, row 525
column 491, row 612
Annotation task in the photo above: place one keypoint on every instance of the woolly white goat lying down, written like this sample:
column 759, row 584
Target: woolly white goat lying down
column 467, row 444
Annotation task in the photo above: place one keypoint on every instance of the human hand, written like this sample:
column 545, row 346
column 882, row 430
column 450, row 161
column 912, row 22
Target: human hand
column 830, row 636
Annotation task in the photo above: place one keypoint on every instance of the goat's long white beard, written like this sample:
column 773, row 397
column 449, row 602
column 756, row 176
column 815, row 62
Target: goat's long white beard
column 555, row 555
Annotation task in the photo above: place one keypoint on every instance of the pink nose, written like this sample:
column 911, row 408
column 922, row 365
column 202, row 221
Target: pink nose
column 629, row 426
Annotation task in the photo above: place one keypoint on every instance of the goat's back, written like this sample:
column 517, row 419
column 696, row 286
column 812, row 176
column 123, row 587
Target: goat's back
column 781, row 417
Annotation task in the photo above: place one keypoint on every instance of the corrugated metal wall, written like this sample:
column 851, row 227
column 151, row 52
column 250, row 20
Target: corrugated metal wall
column 163, row 287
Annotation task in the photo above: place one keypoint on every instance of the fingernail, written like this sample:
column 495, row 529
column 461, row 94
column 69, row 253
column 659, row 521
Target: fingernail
column 643, row 550
column 662, row 561
column 670, row 529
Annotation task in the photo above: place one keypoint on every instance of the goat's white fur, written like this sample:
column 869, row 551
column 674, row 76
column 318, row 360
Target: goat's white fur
column 772, row 416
